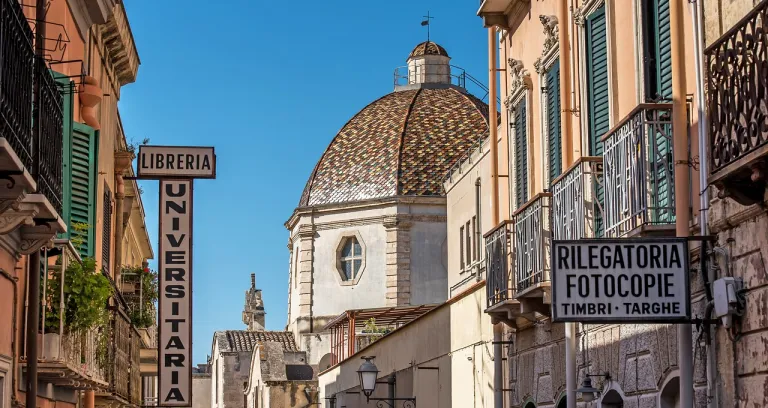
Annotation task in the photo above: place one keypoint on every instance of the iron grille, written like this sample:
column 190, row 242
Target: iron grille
column 577, row 208
column 639, row 171
column 497, row 250
column 737, row 93
column 533, row 238
column 106, row 239
column 16, row 79
column 50, row 144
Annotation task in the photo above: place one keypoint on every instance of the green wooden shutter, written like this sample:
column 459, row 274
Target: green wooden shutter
column 657, row 51
column 83, row 184
column 597, row 79
column 554, row 132
column 521, row 154
column 67, row 89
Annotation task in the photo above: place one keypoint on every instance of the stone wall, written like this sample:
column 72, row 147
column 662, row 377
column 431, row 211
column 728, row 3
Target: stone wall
column 742, row 353
column 201, row 391
column 288, row 394
column 640, row 360
column 237, row 367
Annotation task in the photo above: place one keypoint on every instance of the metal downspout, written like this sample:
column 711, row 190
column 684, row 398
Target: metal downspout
column 682, row 183
column 698, row 47
column 498, row 329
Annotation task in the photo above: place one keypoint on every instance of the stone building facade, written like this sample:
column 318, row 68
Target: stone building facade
column 369, row 231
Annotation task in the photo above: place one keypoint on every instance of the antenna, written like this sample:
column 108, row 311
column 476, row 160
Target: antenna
column 426, row 23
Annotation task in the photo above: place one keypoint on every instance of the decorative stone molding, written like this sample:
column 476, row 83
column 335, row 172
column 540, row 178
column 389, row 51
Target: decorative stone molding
column 17, row 217
column 35, row 237
column 121, row 49
column 398, row 261
column 519, row 83
column 551, row 32
column 89, row 12
column 580, row 13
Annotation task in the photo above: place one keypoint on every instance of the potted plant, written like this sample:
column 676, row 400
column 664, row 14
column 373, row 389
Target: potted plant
column 85, row 297
column 140, row 291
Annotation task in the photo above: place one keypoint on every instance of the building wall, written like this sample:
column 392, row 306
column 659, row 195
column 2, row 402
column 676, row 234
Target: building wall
column 201, row 391
column 443, row 358
column 236, row 367
column 404, row 248
column 287, row 394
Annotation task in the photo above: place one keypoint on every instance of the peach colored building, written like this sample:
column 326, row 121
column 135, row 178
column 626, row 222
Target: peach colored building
column 68, row 183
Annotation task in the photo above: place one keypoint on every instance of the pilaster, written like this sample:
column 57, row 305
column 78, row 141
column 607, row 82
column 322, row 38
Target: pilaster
column 306, row 264
column 398, row 261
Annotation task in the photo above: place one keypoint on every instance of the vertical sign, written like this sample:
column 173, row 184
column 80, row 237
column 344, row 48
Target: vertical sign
column 175, row 275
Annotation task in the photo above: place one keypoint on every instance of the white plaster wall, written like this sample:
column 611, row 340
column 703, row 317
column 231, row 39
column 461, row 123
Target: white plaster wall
column 428, row 263
column 429, row 69
column 217, row 369
column 452, row 345
column 330, row 296
column 201, row 392
column 461, row 206
column 316, row 345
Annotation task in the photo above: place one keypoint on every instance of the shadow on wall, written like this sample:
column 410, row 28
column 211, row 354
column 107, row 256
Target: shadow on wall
column 419, row 355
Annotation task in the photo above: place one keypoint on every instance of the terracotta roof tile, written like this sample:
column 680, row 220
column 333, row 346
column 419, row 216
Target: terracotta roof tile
column 401, row 144
column 243, row 340
column 428, row 48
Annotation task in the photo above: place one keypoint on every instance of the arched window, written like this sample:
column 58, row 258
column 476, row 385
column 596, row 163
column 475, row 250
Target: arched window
column 351, row 258
column 670, row 395
column 612, row 399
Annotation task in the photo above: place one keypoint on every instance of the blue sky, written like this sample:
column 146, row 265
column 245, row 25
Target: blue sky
column 268, row 83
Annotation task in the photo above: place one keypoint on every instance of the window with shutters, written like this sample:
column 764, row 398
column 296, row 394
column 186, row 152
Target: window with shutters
column 520, row 132
column 596, row 44
column 657, row 51
column 554, row 132
column 79, row 174
column 657, row 62
column 106, row 237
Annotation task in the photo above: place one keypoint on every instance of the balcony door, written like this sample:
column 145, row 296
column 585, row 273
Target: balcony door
column 657, row 63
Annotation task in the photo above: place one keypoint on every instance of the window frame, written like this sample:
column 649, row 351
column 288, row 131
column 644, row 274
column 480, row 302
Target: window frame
column 520, row 90
column 6, row 373
column 581, row 15
column 461, row 248
column 339, row 259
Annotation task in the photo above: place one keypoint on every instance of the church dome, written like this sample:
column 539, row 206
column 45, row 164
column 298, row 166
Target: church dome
column 402, row 144
column 428, row 48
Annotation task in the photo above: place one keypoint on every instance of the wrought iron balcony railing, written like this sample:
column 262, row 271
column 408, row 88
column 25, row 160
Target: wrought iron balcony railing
column 16, row 76
column 577, row 200
column 497, row 257
column 736, row 98
column 124, row 372
column 532, row 229
column 639, row 171
column 20, row 69
column 48, row 154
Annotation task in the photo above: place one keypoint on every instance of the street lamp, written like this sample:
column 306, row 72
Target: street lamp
column 588, row 392
column 368, row 374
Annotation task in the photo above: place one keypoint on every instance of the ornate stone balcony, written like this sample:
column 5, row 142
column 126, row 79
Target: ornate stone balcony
column 736, row 99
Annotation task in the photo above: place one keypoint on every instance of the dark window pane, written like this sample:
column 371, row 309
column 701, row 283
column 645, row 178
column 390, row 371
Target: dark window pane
column 347, row 250
column 358, row 264
column 347, row 269
column 358, row 249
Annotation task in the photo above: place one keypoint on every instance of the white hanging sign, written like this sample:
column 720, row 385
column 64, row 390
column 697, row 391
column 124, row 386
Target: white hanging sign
column 620, row 280
column 175, row 303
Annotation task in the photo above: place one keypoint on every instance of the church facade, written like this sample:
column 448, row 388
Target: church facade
column 370, row 228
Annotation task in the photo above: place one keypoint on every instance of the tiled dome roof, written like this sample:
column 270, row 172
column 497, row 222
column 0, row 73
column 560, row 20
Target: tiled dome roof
column 428, row 48
column 400, row 145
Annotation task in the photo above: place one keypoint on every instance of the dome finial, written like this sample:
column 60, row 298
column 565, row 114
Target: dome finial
column 426, row 23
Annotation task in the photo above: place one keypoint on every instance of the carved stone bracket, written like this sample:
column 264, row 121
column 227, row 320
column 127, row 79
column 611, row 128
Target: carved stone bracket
column 35, row 237
column 23, row 214
column 520, row 81
column 580, row 13
column 397, row 222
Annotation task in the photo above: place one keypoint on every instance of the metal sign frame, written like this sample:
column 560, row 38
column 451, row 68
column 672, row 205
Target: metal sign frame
column 141, row 176
column 686, row 318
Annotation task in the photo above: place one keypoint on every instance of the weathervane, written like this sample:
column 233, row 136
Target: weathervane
column 426, row 23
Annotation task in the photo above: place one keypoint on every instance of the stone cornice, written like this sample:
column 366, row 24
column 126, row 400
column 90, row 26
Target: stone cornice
column 89, row 12
column 360, row 205
column 120, row 47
